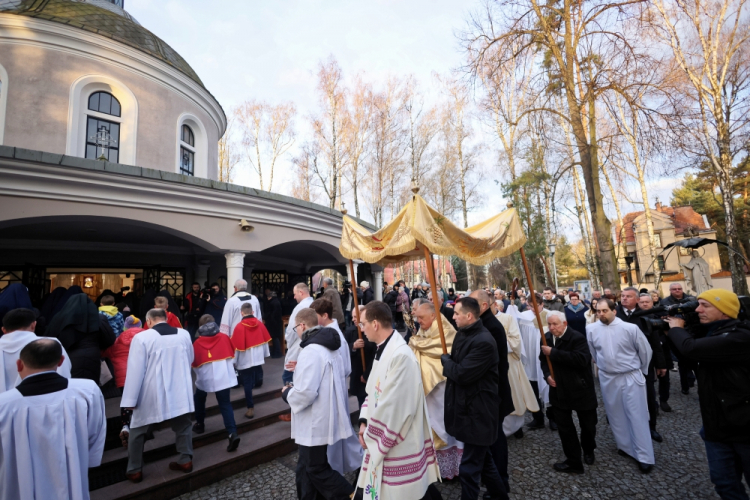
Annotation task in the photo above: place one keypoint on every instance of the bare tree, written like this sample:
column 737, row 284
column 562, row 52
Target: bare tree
column 423, row 126
column 357, row 133
column 305, row 165
column 229, row 155
column 267, row 134
column 328, row 129
column 710, row 45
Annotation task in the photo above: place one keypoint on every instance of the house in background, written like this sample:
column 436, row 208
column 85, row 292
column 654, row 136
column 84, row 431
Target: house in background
column 670, row 224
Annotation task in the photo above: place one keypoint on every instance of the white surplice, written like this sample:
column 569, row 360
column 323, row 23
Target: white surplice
column 10, row 349
column 318, row 414
column 292, row 339
column 622, row 354
column 215, row 376
column 400, row 460
column 232, row 314
column 344, row 455
column 159, row 384
column 532, row 347
column 48, row 442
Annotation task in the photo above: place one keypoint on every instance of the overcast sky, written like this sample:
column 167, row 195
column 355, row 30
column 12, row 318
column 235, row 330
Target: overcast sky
column 247, row 49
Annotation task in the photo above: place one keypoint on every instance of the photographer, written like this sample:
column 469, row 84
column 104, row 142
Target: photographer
column 723, row 387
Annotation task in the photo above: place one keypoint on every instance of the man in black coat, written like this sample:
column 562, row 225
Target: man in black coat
column 358, row 377
column 500, row 447
column 572, row 389
column 272, row 317
column 472, row 405
column 723, row 386
column 628, row 311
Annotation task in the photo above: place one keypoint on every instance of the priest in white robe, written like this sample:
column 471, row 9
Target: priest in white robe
column 232, row 314
column 51, row 429
column 427, row 349
column 531, row 339
column 622, row 354
column 158, row 388
column 400, row 460
column 344, row 455
column 520, row 388
column 18, row 330
column 302, row 296
column 319, row 416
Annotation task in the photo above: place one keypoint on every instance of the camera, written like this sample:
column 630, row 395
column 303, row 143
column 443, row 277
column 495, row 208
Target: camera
column 685, row 310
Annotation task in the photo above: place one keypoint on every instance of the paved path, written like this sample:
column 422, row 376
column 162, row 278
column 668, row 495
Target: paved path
column 680, row 473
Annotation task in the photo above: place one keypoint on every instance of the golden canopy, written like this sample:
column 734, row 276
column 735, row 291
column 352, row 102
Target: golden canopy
column 419, row 224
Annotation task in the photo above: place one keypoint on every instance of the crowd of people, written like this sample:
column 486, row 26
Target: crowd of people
column 424, row 415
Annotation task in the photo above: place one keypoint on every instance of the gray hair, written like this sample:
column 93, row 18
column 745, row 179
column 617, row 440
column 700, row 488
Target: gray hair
column 240, row 284
column 364, row 284
column 500, row 305
column 156, row 314
column 419, row 302
column 557, row 314
column 302, row 287
column 631, row 289
column 328, row 281
column 429, row 305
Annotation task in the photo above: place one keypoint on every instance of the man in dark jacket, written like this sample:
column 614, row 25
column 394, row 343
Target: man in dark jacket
column 358, row 377
column 628, row 312
column 365, row 293
column 215, row 302
column 685, row 368
column 551, row 302
column 572, row 389
column 723, row 387
column 499, row 448
column 472, row 405
column 192, row 309
column 272, row 318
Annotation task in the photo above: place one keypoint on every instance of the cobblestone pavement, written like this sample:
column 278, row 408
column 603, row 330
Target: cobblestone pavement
column 680, row 473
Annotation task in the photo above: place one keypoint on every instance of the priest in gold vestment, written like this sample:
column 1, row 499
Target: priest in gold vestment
column 427, row 349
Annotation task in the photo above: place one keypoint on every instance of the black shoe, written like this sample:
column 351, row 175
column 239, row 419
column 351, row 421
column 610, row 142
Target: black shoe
column 685, row 391
column 665, row 406
column 534, row 425
column 552, row 425
column 566, row 467
column 656, row 436
column 234, row 441
column 518, row 434
column 588, row 458
column 645, row 468
column 199, row 428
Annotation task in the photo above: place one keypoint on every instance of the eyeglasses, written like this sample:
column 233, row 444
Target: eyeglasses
column 295, row 328
column 362, row 324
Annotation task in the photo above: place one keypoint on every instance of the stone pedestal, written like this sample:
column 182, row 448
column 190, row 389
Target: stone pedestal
column 377, row 286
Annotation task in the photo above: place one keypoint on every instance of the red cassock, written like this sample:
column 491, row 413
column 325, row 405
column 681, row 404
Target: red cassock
column 173, row 321
column 210, row 349
column 249, row 333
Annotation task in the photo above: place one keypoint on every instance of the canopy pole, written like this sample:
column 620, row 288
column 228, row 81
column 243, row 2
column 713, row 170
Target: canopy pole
column 536, row 310
column 356, row 311
column 435, row 295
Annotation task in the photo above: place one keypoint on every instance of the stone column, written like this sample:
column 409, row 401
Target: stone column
column 235, row 265
column 201, row 275
column 377, row 286
column 353, row 279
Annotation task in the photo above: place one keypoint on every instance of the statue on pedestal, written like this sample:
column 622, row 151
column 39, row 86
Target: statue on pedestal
column 697, row 274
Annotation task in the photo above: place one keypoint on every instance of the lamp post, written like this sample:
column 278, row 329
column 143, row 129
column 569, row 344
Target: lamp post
column 554, row 267
column 629, row 262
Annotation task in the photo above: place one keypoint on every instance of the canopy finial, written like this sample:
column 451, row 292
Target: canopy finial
column 414, row 186
column 510, row 204
column 343, row 208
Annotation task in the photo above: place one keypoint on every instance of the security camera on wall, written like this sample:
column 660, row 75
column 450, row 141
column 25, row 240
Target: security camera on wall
column 245, row 226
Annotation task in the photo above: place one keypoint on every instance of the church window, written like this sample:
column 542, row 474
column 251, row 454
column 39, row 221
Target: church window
column 103, row 134
column 187, row 151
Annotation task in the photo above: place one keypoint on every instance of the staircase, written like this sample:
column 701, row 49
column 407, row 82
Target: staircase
column 263, row 439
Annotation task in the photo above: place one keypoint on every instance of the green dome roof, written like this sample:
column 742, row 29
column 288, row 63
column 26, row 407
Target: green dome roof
column 112, row 22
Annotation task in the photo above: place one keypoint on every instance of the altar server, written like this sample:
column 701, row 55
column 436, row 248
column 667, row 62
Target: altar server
column 213, row 364
column 319, row 417
column 531, row 342
column 520, row 387
column 344, row 455
column 428, row 349
column 302, row 296
column 394, row 427
column 18, row 329
column 622, row 354
column 250, row 339
column 159, row 388
column 232, row 314
column 51, row 429
column 163, row 303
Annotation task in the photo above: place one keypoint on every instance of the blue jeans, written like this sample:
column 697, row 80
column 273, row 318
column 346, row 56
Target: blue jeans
column 225, row 406
column 727, row 463
column 287, row 377
column 249, row 377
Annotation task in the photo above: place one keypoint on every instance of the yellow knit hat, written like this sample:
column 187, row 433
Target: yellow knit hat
column 723, row 300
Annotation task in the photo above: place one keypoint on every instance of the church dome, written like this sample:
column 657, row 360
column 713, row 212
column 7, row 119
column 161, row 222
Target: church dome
column 104, row 17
